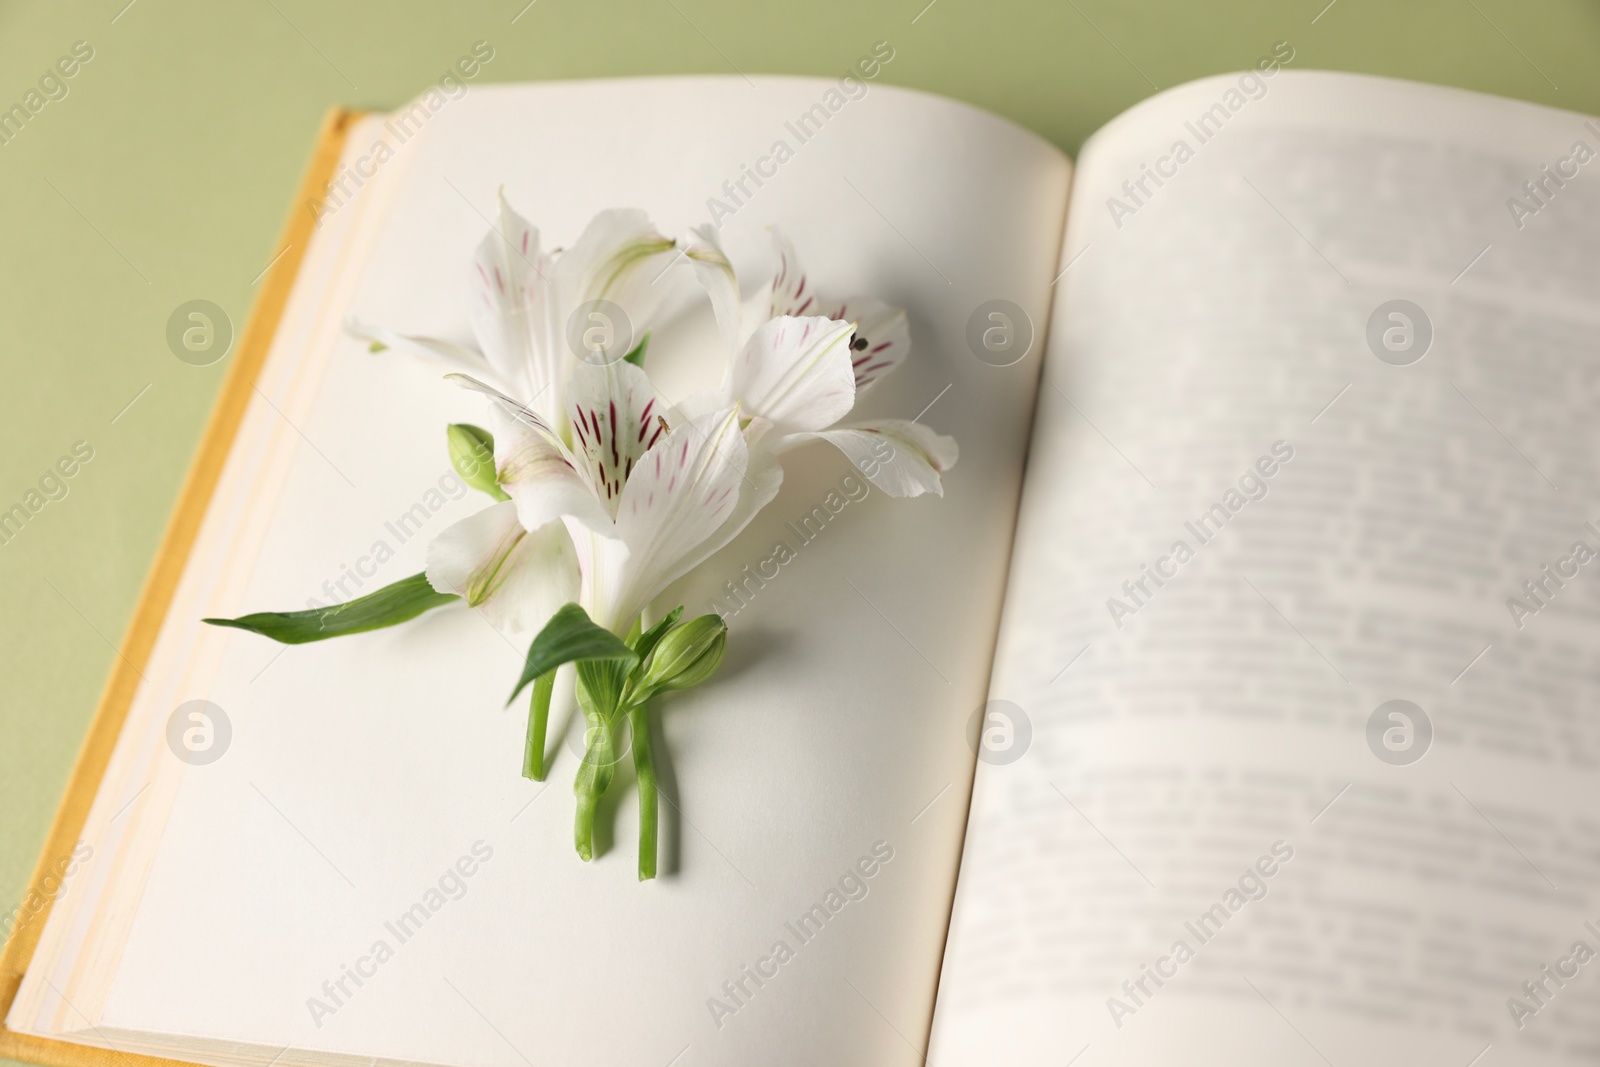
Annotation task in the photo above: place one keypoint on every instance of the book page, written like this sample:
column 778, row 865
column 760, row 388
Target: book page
column 1293, row 750
column 814, row 794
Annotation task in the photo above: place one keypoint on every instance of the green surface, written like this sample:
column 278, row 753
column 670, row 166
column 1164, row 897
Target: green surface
column 165, row 173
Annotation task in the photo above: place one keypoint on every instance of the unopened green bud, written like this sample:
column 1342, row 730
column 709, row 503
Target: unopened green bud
column 687, row 655
column 472, row 455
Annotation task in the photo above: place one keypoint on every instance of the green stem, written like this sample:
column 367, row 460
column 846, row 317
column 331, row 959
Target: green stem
column 589, row 784
column 538, row 719
column 645, row 770
column 583, row 828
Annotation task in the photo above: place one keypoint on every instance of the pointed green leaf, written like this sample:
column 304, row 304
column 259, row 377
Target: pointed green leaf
column 571, row 637
column 397, row 603
column 643, row 644
column 647, row 640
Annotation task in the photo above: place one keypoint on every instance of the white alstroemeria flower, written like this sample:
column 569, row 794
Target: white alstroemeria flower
column 643, row 500
column 800, row 361
column 521, row 299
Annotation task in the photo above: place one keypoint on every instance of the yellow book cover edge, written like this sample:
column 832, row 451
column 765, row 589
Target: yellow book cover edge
column 154, row 600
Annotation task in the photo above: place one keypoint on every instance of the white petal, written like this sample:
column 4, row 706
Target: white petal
column 615, row 418
column 715, row 274
column 603, row 563
column 516, row 578
column 797, row 373
column 619, row 257
column 882, row 340
column 681, row 495
column 902, row 458
column 458, row 358
column 763, row 477
column 755, row 312
column 792, row 291
column 608, row 559
column 514, row 313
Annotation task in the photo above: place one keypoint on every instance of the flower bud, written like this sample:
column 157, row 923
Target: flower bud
column 687, row 655
column 472, row 455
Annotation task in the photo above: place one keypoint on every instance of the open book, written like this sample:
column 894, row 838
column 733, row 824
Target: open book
column 1276, row 411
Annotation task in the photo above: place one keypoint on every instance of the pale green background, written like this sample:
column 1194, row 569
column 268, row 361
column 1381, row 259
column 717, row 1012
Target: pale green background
column 175, row 155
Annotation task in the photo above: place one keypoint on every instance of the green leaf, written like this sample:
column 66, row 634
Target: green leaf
column 647, row 640
column 601, row 682
column 397, row 603
column 643, row 644
column 636, row 357
column 571, row 637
